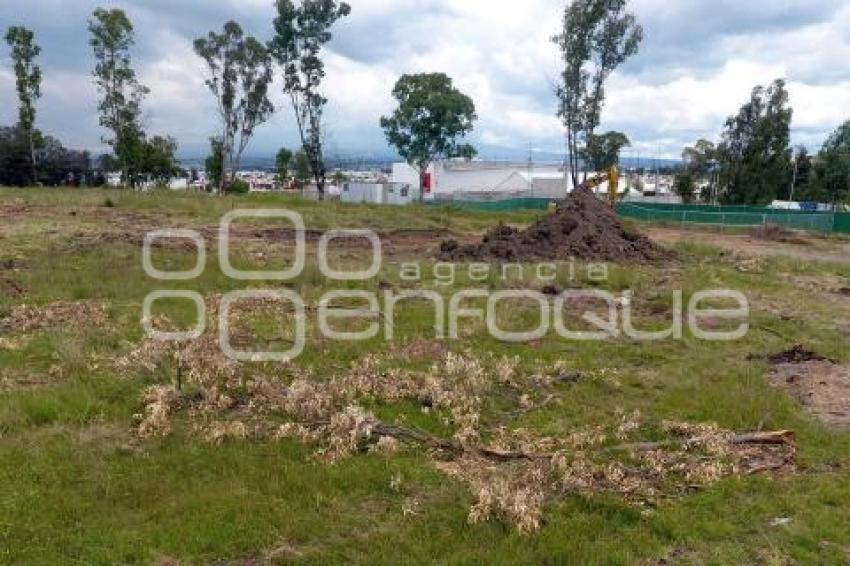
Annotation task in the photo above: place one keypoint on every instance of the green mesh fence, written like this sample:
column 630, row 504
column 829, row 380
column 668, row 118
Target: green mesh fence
column 741, row 217
column 732, row 216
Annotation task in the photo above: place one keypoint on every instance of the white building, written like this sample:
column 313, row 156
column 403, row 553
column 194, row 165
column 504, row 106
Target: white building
column 456, row 179
column 379, row 193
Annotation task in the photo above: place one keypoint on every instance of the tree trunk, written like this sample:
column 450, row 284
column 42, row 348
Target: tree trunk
column 423, row 173
column 32, row 157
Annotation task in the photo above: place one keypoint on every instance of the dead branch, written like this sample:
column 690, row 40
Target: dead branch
column 414, row 436
column 776, row 438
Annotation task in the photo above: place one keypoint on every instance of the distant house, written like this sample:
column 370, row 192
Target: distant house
column 379, row 193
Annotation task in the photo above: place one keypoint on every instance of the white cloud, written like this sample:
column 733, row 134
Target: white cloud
column 698, row 64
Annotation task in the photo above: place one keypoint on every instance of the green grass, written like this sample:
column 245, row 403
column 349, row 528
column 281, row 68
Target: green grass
column 78, row 487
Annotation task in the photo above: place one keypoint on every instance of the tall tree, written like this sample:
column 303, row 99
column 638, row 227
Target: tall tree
column 754, row 156
column 27, row 82
column 430, row 122
column 282, row 161
column 214, row 163
column 301, row 167
column 240, row 75
column 683, row 184
column 158, row 162
column 832, row 167
column 700, row 164
column 15, row 161
column 596, row 38
column 300, row 33
column 111, row 37
column 601, row 152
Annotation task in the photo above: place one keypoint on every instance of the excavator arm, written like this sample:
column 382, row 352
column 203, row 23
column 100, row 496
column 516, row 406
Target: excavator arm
column 612, row 176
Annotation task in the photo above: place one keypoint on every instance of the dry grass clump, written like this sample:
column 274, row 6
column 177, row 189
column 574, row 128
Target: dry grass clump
column 536, row 470
column 155, row 421
column 11, row 344
column 514, row 493
column 32, row 318
column 514, row 473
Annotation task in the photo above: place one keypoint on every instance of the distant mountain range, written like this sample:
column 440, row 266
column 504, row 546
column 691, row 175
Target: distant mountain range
column 385, row 160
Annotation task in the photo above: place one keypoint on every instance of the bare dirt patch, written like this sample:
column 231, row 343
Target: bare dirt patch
column 583, row 227
column 821, row 386
column 821, row 249
column 777, row 233
column 11, row 288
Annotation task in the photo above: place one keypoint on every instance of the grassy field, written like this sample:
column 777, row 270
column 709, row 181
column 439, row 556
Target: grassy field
column 82, row 485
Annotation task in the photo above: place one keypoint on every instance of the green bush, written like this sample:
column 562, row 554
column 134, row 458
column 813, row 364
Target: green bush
column 238, row 187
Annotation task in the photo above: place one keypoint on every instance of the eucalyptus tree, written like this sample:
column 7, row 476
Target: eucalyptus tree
column 832, row 167
column 240, row 74
column 597, row 36
column 601, row 152
column 283, row 159
column 755, row 154
column 430, row 121
column 27, row 82
column 301, row 31
column 111, row 37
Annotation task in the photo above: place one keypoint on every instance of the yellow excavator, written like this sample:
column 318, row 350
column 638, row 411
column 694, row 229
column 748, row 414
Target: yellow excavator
column 613, row 178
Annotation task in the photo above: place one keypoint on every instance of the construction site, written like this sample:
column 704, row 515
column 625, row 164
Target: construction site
column 552, row 282
column 442, row 442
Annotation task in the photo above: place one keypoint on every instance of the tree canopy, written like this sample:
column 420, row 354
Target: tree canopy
column 602, row 152
column 597, row 36
column 27, row 83
column 754, row 155
column 239, row 77
column 300, row 34
column 111, row 37
column 430, row 121
column 832, row 167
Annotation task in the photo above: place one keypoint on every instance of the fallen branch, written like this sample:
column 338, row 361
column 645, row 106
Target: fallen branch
column 776, row 438
column 414, row 436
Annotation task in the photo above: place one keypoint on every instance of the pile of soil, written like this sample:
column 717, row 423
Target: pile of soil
column 796, row 355
column 583, row 228
column 777, row 233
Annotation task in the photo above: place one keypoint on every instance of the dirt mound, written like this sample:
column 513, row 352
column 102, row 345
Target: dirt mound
column 583, row 227
column 777, row 233
column 796, row 355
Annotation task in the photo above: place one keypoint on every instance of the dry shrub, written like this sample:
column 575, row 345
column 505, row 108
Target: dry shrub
column 513, row 475
column 11, row 344
column 31, row 318
column 160, row 401
column 514, row 493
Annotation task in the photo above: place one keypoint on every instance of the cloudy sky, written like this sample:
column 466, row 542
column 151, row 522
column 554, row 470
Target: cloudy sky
column 699, row 61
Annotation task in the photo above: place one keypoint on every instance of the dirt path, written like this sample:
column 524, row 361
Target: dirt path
column 808, row 249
